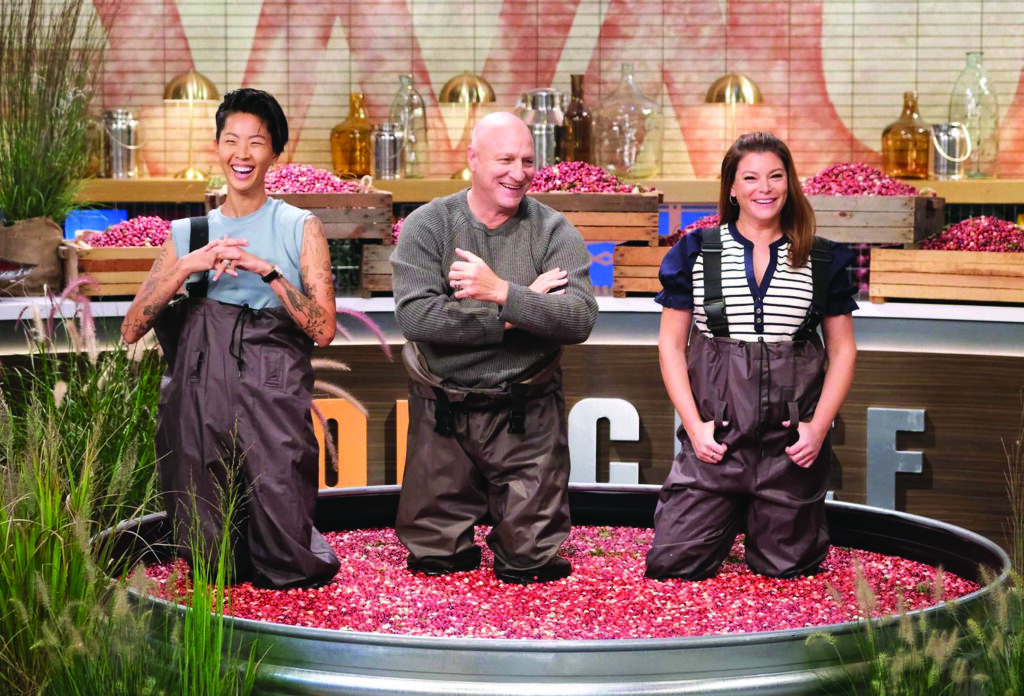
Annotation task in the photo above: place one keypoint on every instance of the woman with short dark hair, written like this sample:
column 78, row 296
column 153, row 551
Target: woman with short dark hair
column 235, row 402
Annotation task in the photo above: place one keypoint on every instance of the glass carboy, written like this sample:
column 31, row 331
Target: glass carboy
column 974, row 104
column 906, row 142
column 628, row 131
column 410, row 114
column 350, row 140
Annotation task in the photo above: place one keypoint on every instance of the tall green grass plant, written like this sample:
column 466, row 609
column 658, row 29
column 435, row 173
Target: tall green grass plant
column 50, row 55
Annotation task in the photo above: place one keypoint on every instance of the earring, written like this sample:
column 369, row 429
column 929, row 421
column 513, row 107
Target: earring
column 732, row 199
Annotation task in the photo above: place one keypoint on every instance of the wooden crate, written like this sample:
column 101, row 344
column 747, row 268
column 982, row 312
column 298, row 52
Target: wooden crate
column 878, row 219
column 116, row 270
column 636, row 269
column 344, row 215
column 924, row 274
column 375, row 270
column 609, row 217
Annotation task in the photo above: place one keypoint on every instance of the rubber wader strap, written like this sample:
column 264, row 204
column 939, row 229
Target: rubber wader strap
column 200, row 237
column 794, row 423
column 517, row 415
column 720, row 415
column 821, row 267
column 714, row 302
column 444, row 421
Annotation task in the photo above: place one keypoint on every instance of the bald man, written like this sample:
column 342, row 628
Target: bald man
column 489, row 285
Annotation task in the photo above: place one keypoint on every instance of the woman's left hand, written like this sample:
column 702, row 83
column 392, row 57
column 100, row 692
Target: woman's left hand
column 805, row 450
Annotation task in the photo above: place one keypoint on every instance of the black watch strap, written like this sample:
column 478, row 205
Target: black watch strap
column 274, row 274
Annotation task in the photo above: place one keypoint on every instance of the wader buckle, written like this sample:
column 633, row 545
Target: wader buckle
column 517, row 415
column 444, row 420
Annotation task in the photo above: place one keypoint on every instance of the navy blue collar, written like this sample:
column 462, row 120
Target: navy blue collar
column 757, row 291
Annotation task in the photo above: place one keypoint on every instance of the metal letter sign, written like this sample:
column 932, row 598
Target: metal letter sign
column 884, row 461
column 625, row 427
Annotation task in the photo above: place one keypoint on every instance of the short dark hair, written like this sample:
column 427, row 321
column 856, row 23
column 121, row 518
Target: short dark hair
column 258, row 103
column 797, row 215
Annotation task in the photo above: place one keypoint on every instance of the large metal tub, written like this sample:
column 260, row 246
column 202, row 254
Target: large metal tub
column 316, row 661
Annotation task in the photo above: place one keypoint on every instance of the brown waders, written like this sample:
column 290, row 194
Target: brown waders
column 756, row 487
column 236, row 400
column 470, row 452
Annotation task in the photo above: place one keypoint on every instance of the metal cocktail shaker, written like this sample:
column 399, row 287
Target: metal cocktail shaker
column 543, row 116
column 121, row 133
column 387, row 152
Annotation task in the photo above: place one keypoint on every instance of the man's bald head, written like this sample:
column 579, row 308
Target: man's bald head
column 497, row 121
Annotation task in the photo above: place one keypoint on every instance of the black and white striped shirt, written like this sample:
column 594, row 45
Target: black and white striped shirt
column 772, row 310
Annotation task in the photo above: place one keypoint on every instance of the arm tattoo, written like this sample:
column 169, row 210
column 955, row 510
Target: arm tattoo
column 315, row 271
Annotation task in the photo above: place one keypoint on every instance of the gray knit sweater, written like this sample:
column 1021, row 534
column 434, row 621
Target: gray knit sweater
column 465, row 341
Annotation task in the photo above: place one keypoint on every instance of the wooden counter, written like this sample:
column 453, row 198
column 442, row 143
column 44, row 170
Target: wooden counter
column 703, row 191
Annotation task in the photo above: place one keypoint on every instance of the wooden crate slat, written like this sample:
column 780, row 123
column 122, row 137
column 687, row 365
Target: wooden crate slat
column 377, row 252
column 88, row 265
column 636, row 272
column 115, row 253
column 943, row 256
column 624, row 220
column 376, row 267
column 600, row 202
column 356, row 230
column 870, row 235
column 619, row 234
column 882, row 291
column 639, row 255
column 866, row 218
column 949, row 280
column 622, row 286
column 136, row 277
column 361, row 215
column 1015, row 270
column 308, row 201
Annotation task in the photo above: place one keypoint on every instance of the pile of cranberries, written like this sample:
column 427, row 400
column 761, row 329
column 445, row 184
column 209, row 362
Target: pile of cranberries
column 147, row 230
column 606, row 597
column 855, row 179
column 305, row 178
column 579, row 177
column 982, row 233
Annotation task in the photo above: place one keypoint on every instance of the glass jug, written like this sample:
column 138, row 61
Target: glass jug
column 906, row 142
column 628, row 131
column 350, row 140
column 974, row 104
column 410, row 114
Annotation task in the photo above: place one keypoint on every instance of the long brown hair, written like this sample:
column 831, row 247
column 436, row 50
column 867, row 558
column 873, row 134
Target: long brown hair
column 797, row 217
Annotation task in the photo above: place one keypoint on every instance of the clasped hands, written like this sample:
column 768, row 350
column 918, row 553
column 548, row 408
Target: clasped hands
column 473, row 279
column 228, row 255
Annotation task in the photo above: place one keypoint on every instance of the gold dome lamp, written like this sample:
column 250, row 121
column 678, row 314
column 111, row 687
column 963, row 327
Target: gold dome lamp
column 191, row 87
column 467, row 89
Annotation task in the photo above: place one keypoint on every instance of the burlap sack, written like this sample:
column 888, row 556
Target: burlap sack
column 34, row 242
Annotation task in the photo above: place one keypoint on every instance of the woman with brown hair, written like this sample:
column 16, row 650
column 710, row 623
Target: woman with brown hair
column 754, row 385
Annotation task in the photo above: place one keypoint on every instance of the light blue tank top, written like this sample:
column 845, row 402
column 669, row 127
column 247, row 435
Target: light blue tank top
column 274, row 233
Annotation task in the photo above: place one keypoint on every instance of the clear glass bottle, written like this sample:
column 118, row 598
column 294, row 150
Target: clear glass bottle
column 906, row 142
column 628, row 130
column 577, row 125
column 351, row 143
column 974, row 104
column 410, row 113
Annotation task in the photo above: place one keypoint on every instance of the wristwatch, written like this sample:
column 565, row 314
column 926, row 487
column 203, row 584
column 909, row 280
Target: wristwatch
column 273, row 275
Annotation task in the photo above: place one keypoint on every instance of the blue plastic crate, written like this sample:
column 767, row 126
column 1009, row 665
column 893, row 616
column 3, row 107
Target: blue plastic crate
column 92, row 220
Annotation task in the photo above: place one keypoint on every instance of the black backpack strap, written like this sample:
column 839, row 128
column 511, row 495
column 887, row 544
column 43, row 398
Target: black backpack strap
column 714, row 301
column 821, row 267
column 200, row 237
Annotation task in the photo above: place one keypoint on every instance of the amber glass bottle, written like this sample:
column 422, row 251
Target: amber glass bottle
column 577, row 124
column 351, row 140
column 906, row 142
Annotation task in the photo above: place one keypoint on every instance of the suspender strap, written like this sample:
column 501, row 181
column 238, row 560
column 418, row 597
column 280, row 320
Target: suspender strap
column 444, row 421
column 200, row 237
column 821, row 267
column 714, row 302
column 517, row 414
